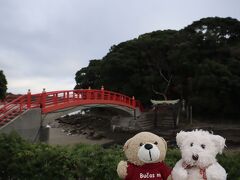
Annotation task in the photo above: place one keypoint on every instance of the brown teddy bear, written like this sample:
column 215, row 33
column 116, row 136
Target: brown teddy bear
column 145, row 153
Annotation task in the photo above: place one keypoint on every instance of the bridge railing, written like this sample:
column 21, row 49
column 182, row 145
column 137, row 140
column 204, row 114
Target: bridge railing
column 85, row 95
column 10, row 109
column 19, row 105
column 47, row 100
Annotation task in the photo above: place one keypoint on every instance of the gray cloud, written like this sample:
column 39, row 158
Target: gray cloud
column 44, row 42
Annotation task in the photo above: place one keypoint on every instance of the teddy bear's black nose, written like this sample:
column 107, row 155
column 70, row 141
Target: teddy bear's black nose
column 195, row 157
column 148, row 146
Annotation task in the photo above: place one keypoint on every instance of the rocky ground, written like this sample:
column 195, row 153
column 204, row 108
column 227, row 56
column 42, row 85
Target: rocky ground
column 98, row 129
column 90, row 127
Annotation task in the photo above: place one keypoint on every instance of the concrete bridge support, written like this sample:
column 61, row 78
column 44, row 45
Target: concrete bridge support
column 27, row 125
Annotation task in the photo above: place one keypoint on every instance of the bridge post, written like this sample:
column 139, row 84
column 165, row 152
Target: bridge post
column 102, row 92
column 133, row 102
column 21, row 105
column 68, row 96
column 29, row 99
column 73, row 95
column 55, row 98
column 43, row 98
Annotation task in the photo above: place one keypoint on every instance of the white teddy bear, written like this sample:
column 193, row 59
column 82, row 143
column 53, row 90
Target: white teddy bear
column 199, row 149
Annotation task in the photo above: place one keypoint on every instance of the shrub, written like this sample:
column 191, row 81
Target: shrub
column 94, row 162
column 230, row 161
column 22, row 160
column 173, row 155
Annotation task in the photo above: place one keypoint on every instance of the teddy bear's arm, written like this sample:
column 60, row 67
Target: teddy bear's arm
column 178, row 172
column 216, row 172
column 122, row 169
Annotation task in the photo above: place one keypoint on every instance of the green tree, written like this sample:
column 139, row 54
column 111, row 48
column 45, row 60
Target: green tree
column 199, row 63
column 3, row 85
column 89, row 76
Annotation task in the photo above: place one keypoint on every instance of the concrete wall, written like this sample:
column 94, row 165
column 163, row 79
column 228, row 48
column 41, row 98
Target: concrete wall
column 27, row 125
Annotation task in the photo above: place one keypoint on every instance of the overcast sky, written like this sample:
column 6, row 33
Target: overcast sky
column 44, row 42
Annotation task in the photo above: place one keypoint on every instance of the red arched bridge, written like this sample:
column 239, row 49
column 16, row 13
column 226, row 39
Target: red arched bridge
column 56, row 100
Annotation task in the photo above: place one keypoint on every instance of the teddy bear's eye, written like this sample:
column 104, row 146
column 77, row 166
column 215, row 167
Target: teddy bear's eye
column 203, row 146
column 156, row 143
column 191, row 144
column 141, row 144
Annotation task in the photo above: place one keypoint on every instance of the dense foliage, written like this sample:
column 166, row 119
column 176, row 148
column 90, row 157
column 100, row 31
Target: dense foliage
column 200, row 63
column 3, row 85
column 22, row 160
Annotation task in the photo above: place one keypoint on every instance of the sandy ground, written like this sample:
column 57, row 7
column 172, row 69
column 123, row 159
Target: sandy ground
column 58, row 137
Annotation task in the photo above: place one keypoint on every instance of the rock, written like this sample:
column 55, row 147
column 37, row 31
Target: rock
column 97, row 135
column 73, row 131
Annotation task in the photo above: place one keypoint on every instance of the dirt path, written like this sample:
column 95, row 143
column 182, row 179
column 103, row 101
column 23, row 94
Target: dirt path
column 58, row 137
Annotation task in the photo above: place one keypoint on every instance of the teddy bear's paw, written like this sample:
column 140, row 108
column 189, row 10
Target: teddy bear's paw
column 179, row 174
column 122, row 169
column 216, row 172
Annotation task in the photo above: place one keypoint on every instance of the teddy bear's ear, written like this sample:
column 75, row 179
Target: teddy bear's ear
column 219, row 142
column 180, row 137
column 126, row 144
